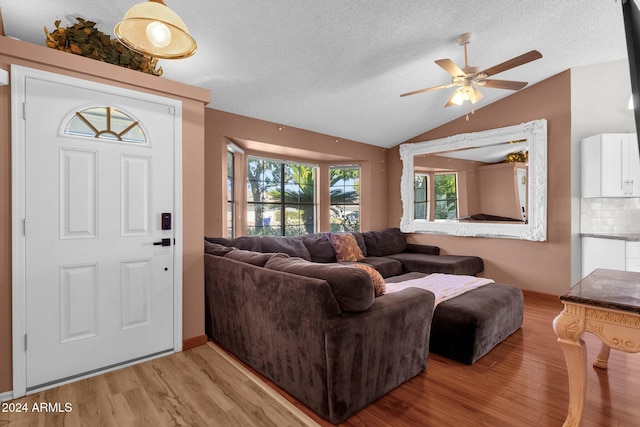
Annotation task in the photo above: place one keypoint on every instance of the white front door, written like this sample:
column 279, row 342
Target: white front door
column 98, row 288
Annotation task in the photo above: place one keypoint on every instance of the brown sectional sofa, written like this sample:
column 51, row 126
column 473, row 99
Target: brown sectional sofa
column 385, row 250
column 285, row 307
column 332, row 350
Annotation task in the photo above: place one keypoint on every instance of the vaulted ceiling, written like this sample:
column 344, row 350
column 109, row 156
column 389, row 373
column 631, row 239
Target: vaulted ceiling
column 338, row 67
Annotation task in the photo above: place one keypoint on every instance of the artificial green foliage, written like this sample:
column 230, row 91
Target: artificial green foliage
column 521, row 156
column 84, row 39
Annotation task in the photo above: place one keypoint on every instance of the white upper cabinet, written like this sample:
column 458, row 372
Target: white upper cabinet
column 611, row 166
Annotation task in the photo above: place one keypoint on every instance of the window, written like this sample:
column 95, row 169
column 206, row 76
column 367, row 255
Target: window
column 230, row 195
column 446, row 196
column 235, row 155
column 345, row 198
column 105, row 123
column 281, row 198
column 420, row 199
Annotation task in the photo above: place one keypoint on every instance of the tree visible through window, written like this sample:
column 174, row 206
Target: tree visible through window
column 345, row 198
column 281, row 198
column 446, row 196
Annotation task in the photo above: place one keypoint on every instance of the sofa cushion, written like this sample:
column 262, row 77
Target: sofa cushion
column 384, row 242
column 248, row 243
column 404, row 277
column 319, row 247
column 387, row 267
column 360, row 239
column 379, row 285
column 287, row 245
column 217, row 249
column 351, row 287
column 451, row 264
column 253, row 258
column 346, row 247
column 423, row 249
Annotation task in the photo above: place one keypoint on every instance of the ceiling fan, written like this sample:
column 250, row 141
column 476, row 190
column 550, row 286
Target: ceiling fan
column 469, row 78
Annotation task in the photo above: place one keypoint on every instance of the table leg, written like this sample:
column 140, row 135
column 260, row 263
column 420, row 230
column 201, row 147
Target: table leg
column 569, row 330
column 603, row 357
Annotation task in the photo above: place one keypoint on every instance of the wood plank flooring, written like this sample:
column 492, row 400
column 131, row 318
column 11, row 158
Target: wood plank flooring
column 522, row 382
column 199, row 387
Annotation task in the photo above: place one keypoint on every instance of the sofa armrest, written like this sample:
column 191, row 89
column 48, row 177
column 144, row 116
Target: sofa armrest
column 274, row 322
column 371, row 352
column 423, row 249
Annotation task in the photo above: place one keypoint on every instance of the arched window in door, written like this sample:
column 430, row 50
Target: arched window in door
column 105, row 123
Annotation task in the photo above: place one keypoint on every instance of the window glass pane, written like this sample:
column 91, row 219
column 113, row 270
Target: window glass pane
column 230, row 195
column 345, row 198
column 230, row 220
column 446, row 196
column 105, row 123
column 263, row 220
column 420, row 187
column 280, row 198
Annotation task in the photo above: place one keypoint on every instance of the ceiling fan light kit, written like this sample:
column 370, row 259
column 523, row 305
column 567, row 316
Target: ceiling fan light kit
column 153, row 29
column 467, row 79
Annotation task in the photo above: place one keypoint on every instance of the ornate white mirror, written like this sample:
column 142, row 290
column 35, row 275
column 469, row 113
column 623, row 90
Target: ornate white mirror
column 489, row 184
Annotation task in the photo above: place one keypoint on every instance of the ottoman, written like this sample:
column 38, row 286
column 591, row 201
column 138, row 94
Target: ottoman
column 467, row 327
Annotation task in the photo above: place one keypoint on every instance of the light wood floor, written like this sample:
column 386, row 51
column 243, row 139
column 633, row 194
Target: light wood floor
column 198, row 387
column 522, row 382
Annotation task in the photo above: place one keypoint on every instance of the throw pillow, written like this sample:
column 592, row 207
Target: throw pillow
column 378, row 282
column 346, row 247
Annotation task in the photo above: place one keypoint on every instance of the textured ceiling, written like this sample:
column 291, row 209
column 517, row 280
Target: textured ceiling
column 338, row 67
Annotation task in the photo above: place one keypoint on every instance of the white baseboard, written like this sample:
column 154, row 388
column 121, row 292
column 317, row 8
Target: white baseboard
column 8, row 395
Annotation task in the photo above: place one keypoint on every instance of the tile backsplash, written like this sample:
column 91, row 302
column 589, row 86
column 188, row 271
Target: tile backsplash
column 610, row 215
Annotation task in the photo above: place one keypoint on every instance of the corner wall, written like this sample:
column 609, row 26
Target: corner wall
column 536, row 266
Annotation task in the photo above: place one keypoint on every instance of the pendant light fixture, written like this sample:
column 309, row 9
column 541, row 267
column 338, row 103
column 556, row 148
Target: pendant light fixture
column 152, row 29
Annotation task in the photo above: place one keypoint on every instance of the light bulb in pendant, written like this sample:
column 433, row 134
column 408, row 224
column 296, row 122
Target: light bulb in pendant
column 159, row 34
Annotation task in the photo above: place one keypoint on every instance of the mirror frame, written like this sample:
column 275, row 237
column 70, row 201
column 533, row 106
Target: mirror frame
column 535, row 229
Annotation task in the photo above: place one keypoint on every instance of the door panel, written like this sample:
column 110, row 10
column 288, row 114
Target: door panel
column 135, row 195
column 98, row 291
column 78, row 302
column 78, row 194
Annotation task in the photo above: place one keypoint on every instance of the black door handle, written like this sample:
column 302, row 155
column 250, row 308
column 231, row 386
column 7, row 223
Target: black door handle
column 163, row 242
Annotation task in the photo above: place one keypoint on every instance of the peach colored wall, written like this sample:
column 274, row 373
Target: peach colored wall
column 269, row 139
column 537, row 266
column 194, row 100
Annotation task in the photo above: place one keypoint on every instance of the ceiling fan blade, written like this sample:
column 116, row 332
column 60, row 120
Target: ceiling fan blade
column 512, row 63
column 450, row 67
column 415, row 92
column 502, row 84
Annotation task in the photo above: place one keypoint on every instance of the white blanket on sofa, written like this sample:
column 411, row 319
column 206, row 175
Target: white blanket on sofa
column 444, row 286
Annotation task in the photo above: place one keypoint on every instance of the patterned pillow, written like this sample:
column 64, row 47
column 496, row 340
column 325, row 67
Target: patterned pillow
column 346, row 247
column 378, row 282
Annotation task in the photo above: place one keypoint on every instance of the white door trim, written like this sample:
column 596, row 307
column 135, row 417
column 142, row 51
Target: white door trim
column 19, row 75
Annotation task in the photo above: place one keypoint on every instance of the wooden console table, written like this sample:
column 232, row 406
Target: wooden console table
column 607, row 304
